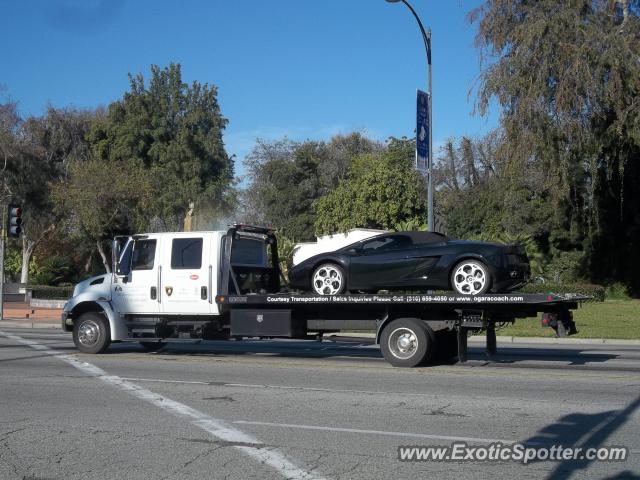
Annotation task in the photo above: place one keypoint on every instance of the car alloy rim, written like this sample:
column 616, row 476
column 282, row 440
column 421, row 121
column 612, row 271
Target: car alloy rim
column 403, row 343
column 327, row 280
column 88, row 333
column 469, row 278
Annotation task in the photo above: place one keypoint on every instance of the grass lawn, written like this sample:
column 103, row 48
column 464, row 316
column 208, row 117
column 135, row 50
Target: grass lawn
column 608, row 319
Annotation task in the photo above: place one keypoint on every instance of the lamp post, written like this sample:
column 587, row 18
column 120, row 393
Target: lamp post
column 426, row 37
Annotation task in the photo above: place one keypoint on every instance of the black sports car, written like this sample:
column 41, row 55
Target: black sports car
column 414, row 261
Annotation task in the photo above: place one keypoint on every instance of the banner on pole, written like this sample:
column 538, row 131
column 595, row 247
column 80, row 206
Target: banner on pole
column 422, row 131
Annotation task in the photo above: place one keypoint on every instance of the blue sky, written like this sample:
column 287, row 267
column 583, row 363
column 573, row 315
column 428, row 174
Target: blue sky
column 301, row 68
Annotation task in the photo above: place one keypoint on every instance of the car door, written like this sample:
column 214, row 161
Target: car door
column 135, row 287
column 185, row 275
column 381, row 262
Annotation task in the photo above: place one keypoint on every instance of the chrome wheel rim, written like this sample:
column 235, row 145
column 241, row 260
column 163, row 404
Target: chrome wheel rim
column 88, row 333
column 469, row 278
column 403, row 343
column 327, row 280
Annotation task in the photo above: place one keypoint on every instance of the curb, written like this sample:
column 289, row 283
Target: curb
column 559, row 341
column 536, row 340
column 28, row 324
column 473, row 339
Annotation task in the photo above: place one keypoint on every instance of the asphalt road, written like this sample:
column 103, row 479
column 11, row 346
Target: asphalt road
column 288, row 409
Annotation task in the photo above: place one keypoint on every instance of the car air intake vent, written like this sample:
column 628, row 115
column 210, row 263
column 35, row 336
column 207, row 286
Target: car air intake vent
column 97, row 281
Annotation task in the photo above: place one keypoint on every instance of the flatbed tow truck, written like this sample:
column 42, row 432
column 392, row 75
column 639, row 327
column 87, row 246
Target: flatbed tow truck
column 159, row 294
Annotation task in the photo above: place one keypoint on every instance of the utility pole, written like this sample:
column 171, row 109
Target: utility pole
column 3, row 234
column 426, row 37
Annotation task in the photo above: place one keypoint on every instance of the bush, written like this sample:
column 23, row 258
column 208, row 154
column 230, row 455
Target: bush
column 52, row 271
column 595, row 291
column 564, row 268
column 45, row 292
column 617, row 291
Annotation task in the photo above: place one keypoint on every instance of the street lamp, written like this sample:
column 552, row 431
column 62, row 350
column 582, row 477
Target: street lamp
column 426, row 37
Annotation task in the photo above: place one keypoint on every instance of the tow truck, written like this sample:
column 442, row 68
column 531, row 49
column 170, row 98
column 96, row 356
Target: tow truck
column 228, row 284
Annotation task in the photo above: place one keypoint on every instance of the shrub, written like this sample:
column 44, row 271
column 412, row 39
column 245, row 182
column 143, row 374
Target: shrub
column 595, row 291
column 46, row 292
column 617, row 291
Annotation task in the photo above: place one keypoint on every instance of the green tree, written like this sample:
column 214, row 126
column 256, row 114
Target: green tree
column 382, row 190
column 567, row 78
column 287, row 177
column 104, row 198
column 174, row 130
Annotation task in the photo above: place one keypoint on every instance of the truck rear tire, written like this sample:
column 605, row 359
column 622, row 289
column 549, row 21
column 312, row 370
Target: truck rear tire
column 407, row 342
column 91, row 333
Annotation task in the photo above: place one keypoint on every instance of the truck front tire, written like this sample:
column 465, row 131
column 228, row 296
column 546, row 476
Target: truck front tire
column 91, row 333
column 407, row 342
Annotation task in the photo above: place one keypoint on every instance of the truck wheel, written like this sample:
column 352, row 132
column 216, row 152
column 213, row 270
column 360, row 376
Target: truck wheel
column 407, row 342
column 470, row 277
column 152, row 346
column 91, row 333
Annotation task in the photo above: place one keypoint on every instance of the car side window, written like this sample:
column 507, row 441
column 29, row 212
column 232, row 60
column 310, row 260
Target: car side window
column 144, row 254
column 186, row 253
column 386, row 244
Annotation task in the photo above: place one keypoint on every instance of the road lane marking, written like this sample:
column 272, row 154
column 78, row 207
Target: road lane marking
column 376, row 432
column 217, row 428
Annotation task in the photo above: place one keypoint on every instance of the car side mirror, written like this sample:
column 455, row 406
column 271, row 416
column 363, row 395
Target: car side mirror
column 353, row 251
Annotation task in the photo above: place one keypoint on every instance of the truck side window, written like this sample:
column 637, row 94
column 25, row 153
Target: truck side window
column 125, row 260
column 144, row 254
column 186, row 253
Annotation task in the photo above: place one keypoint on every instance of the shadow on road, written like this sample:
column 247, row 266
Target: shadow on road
column 587, row 431
column 574, row 356
column 280, row 348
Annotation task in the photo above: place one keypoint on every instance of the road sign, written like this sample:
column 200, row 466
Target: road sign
column 422, row 131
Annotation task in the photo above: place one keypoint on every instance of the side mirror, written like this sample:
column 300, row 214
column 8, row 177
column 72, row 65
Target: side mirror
column 353, row 251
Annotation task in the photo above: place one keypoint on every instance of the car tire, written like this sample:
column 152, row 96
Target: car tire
column 470, row 277
column 91, row 333
column 328, row 279
column 407, row 342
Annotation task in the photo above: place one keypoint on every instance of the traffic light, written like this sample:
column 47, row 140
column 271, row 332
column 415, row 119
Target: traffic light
column 14, row 221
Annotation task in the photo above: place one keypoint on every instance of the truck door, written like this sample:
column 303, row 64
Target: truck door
column 185, row 275
column 135, row 287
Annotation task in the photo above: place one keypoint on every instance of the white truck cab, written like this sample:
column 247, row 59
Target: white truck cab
column 160, row 280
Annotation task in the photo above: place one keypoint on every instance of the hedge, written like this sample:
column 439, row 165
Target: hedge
column 46, row 292
column 595, row 291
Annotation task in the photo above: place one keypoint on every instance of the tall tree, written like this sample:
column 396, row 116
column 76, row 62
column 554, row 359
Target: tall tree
column 382, row 190
column 286, row 178
column 48, row 145
column 104, row 197
column 175, row 131
column 567, row 77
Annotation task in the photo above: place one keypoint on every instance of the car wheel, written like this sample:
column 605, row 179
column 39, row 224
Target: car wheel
column 328, row 279
column 407, row 342
column 470, row 277
column 91, row 333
